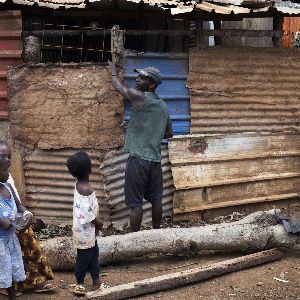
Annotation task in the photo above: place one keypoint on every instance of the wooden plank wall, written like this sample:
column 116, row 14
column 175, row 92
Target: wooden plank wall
column 221, row 170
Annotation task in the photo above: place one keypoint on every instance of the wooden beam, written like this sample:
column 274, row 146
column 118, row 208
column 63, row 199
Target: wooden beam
column 117, row 46
column 101, row 32
column 242, row 32
column 218, row 26
column 174, row 280
column 200, row 42
column 200, row 32
column 277, row 25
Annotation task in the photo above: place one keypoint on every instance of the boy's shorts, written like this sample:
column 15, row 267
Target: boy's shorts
column 143, row 180
column 11, row 262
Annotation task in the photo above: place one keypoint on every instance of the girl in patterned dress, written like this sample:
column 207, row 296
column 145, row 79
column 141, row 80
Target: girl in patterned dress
column 11, row 263
column 37, row 270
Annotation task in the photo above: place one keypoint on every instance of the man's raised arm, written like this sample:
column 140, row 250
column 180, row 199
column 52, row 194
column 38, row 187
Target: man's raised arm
column 136, row 97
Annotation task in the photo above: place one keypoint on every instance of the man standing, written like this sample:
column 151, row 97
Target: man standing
column 148, row 124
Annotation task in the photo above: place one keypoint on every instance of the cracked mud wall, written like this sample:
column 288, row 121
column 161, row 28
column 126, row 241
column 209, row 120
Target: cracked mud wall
column 64, row 106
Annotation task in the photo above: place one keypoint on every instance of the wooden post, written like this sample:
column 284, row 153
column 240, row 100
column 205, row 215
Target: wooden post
column 218, row 25
column 117, row 46
column 200, row 42
column 32, row 50
column 277, row 25
column 177, row 279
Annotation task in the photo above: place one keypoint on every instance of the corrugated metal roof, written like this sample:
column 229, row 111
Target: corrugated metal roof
column 54, row 4
column 175, row 6
column 113, row 171
column 241, row 89
column 50, row 187
column 213, row 171
column 10, row 51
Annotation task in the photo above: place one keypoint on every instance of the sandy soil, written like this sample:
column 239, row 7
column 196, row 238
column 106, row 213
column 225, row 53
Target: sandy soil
column 254, row 283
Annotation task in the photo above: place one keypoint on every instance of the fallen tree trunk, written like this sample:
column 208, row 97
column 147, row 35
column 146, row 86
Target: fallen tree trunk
column 177, row 279
column 256, row 232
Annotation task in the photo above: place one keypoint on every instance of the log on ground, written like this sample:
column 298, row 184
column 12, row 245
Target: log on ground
column 184, row 277
column 256, row 232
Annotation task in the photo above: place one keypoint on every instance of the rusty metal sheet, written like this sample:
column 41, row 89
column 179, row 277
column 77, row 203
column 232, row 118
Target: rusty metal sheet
column 50, row 187
column 54, row 4
column 216, row 170
column 10, row 52
column 241, row 89
column 290, row 26
column 113, row 171
column 175, row 6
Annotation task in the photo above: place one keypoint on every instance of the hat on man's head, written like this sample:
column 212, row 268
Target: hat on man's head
column 151, row 72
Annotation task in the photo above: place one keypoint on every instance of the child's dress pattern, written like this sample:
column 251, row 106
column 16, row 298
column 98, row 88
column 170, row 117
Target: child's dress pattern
column 11, row 263
column 36, row 266
column 85, row 210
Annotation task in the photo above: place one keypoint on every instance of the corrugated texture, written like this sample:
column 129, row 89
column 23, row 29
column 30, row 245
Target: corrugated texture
column 175, row 6
column 10, row 52
column 174, row 69
column 226, row 7
column 54, row 4
column 242, row 89
column 50, row 187
column 213, row 171
column 113, row 170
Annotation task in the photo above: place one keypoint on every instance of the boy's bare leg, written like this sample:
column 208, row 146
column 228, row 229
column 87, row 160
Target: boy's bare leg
column 156, row 215
column 11, row 292
column 136, row 216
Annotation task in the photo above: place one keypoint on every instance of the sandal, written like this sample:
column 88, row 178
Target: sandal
column 79, row 290
column 45, row 288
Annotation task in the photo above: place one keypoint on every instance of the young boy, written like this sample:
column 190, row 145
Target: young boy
column 85, row 222
column 11, row 263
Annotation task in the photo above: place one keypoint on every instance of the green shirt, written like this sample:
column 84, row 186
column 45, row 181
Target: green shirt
column 146, row 129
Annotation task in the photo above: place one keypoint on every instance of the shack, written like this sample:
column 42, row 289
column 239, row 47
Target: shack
column 229, row 85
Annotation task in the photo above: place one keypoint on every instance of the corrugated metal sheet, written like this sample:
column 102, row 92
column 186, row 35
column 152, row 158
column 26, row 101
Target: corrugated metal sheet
column 212, row 171
column 10, row 51
column 50, row 187
column 113, row 170
column 246, row 7
column 54, row 4
column 174, row 69
column 242, row 89
column 290, row 26
column 175, row 6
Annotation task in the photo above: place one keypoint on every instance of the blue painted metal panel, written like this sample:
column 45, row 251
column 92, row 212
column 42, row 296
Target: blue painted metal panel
column 174, row 69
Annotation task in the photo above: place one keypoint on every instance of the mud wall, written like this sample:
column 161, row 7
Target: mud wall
column 63, row 106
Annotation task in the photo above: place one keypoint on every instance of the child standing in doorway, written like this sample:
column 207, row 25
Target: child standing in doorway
column 11, row 210
column 85, row 222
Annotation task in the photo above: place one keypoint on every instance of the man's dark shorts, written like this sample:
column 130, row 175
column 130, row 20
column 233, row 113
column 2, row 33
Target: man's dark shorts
column 143, row 180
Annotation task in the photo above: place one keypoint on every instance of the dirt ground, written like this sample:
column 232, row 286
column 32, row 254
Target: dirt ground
column 254, row 283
